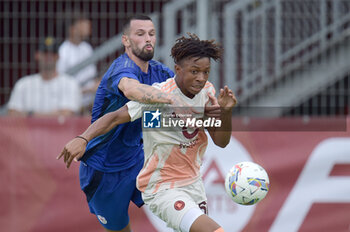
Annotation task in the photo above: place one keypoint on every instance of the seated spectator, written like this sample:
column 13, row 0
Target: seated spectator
column 46, row 93
column 73, row 51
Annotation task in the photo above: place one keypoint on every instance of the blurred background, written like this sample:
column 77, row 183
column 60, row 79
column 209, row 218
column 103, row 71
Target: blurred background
column 288, row 54
column 288, row 61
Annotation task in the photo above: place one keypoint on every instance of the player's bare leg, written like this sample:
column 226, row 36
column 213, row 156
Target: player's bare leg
column 205, row 224
column 125, row 229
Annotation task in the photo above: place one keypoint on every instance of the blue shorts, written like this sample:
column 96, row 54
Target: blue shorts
column 109, row 194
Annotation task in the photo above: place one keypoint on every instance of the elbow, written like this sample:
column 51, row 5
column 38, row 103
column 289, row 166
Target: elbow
column 128, row 93
column 222, row 143
column 121, row 116
column 221, row 139
column 112, row 119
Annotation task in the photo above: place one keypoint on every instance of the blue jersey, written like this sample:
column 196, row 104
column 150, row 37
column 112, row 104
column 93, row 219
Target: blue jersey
column 121, row 148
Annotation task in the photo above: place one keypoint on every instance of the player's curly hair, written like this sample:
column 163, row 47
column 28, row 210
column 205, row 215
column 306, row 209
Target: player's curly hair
column 194, row 47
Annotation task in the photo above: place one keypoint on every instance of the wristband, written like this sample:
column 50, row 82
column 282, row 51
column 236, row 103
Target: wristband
column 81, row 137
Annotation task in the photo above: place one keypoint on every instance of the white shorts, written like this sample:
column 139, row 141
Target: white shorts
column 172, row 204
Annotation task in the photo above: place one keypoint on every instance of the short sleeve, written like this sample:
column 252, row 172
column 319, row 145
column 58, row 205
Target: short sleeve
column 157, row 85
column 16, row 99
column 134, row 110
column 209, row 87
column 115, row 77
column 169, row 72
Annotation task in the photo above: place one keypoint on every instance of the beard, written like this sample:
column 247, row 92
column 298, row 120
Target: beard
column 142, row 54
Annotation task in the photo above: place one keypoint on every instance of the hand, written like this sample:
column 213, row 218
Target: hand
column 227, row 100
column 212, row 107
column 73, row 150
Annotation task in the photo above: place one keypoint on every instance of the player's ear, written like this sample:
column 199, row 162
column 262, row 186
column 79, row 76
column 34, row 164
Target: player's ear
column 178, row 68
column 125, row 40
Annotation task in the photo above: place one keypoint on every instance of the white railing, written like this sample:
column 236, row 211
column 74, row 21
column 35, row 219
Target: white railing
column 264, row 40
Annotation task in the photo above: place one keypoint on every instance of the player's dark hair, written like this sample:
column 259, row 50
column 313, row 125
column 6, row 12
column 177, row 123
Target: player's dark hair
column 134, row 17
column 194, row 47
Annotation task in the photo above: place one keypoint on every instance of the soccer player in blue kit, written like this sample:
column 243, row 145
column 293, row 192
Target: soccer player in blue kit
column 111, row 162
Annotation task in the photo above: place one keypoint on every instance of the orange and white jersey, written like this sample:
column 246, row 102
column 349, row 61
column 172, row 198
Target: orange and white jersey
column 173, row 156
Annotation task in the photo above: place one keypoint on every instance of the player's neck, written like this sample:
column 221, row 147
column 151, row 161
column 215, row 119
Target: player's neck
column 143, row 65
column 183, row 89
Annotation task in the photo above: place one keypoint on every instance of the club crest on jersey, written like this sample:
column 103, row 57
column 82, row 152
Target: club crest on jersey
column 152, row 119
column 179, row 205
column 102, row 219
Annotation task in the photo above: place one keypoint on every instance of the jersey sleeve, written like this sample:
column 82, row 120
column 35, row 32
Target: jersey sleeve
column 115, row 77
column 209, row 87
column 169, row 73
column 134, row 110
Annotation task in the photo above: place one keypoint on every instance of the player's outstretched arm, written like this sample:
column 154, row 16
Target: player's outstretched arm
column 226, row 100
column 106, row 123
column 142, row 93
column 75, row 148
